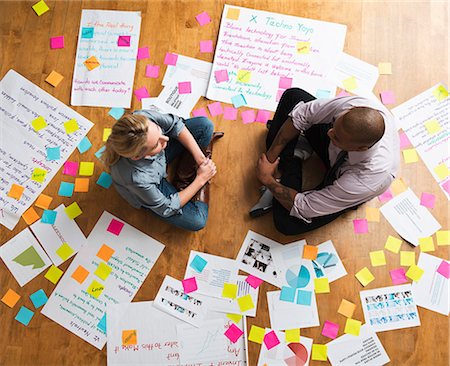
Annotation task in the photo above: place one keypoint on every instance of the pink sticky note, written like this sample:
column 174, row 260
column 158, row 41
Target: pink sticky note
column 184, row 87
column 446, row 186
column 71, row 168
column 398, row 276
column 343, row 93
column 200, row 112
column 253, row 281
column 215, row 108
column 385, row 196
column 271, row 340
column 233, row 333
column 360, row 226
column 230, row 113
column 203, row 18
column 284, row 83
column 57, row 42
column 141, row 93
column 248, row 116
column 279, row 94
column 189, row 284
column 143, row 52
column 170, row 59
column 427, row 200
column 404, row 140
column 115, row 227
column 152, row 71
column 262, row 116
column 387, row 97
column 444, row 269
column 330, row 329
column 206, row 46
column 124, row 41
column 221, row 75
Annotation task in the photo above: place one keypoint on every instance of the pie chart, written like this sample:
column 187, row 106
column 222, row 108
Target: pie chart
column 298, row 278
column 296, row 354
column 327, row 259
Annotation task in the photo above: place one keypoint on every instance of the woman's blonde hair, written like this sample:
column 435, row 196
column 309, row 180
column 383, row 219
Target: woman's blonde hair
column 128, row 137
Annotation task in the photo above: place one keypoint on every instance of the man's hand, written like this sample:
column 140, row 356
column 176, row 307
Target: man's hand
column 265, row 170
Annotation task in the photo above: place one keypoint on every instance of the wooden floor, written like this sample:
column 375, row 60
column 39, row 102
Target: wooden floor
column 412, row 35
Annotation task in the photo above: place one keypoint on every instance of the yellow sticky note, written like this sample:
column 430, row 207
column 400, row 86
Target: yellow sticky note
column 43, row 201
column 352, row 326
column 398, row 186
column 346, row 308
column 407, row 258
column 103, row 271
column 39, row 175
column 319, row 352
column 71, row 126
column 440, row 93
column 229, row 290
column 91, row 63
column 442, row 171
column 415, row 273
column 365, row 276
column 393, row 244
column 426, row 244
column 40, row 7
column 321, row 285
column 236, row 318
column 95, row 289
column 54, row 78
column 377, row 258
column 433, row 126
column 233, row 13
column 106, row 133
column 292, row 335
column 244, row 76
column 443, row 237
column 372, row 214
column 73, row 210
column 86, row 168
column 410, row 156
column 303, row 48
column 16, row 191
column 384, row 68
column 350, row 83
column 10, row 298
column 39, row 123
column 30, row 216
column 245, row 303
column 256, row 334
column 64, row 251
column 129, row 337
column 53, row 274
column 81, row 185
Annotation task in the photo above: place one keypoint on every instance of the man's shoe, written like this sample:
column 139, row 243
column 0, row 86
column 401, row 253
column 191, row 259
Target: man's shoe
column 263, row 206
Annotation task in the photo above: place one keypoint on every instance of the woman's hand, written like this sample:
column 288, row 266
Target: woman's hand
column 206, row 170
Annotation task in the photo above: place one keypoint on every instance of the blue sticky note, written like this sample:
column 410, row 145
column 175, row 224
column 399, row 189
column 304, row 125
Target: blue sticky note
column 39, row 298
column 304, row 297
column 66, row 189
column 49, row 217
column 87, row 32
column 99, row 153
column 24, row 315
column 287, row 294
column 53, row 153
column 321, row 93
column 104, row 180
column 84, row 145
column 238, row 101
column 116, row 113
column 198, row 263
column 102, row 324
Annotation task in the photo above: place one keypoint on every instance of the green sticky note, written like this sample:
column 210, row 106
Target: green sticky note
column 95, row 289
column 29, row 257
column 71, row 126
column 53, row 274
column 103, row 271
column 86, row 168
column 319, row 352
column 245, row 303
column 352, row 326
column 64, row 251
column 73, row 210
column 229, row 290
column 440, row 93
column 38, row 123
column 236, row 318
column 39, row 175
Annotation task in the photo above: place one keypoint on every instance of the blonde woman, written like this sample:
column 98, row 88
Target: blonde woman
column 137, row 152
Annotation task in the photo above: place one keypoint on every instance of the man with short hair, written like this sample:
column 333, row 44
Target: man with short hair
column 356, row 139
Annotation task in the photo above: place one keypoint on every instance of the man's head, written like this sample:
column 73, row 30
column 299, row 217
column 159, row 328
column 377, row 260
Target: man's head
column 357, row 130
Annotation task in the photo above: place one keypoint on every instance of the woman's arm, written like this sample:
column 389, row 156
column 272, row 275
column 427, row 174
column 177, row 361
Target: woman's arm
column 188, row 141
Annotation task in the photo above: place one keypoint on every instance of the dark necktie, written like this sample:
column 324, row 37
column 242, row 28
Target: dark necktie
column 330, row 177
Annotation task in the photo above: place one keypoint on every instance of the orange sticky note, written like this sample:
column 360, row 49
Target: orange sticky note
column 43, row 201
column 346, row 308
column 310, row 252
column 105, row 252
column 233, row 13
column 129, row 337
column 54, row 78
column 81, row 185
column 372, row 214
column 91, row 63
column 80, row 274
column 16, row 191
column 30, row 216
column 398, row 186
column 10, row 298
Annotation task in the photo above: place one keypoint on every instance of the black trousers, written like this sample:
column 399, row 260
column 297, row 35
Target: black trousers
column 291, row 167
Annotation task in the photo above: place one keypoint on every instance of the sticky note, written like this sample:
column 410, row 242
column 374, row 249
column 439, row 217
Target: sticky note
column 233, row 13
column 16, row 191
column 398, row 276
column 407, row 258
column 39, row 123
column 238, row 101
column 141, row 93
column 444, row 269
column 443, row 237
column 304, row 297
column 81, row 185
column 189, row 285
column 115, row 227
column 343, row 93
column 245, row 303
column 198, row 263
column 427, row 200
column 230, row 113
column 392, row 244
column 170, row 59
column 221, row 75
column 71, row 126
column 233, row 333
column 71, row 168
column 80, row 274
column 54, row 78
column 415, row 273
column 203, row 18
column 64, row 251
column 43, row 201
column 30, row 216
column 87, row 32
column 330, row 329
column 256, row 334
column 200, row 112
column 432, row 126
column 105, row 252
column 152, row 71
column 95, row 289
column 372, row 214
column 253, row 281
column 287, row 294
column 365, row 276
column 24, row 315
column 10, row 298
column 321, row 285
column 262, row 116
column 184, row 87
column 248, row 116
column 310, row 252
column 346, row 308
column 103, row 271
column 91, row 63
column 229, row 290
column 104, row 180
column 398, row 186
column 66, row 189
column 235, row 317
column 215, row 109
column 48, row 217
column 385, row 196
column 53, row 274
column 292, row 335
column 86, row 168
column 143, row 53
column 53, row 153
column 106, row 132
column 352, row 326
column 360, row 226
column 244, row 76
column 40, row 8
column 73, row 210
column 322, row 93
column 124, row 41
column 129, row 337
column 102, row 324
column 280, row 93
column 426, row 244
column 377, row 258
column 39, row 175
column 440, row 93
column 384, row 68
column 350, row 83
column 446, row 186
column 284, row 82
column 319, row 352
column 404, row 140
column 271, row 340
column 206, row 46
column 38, row 298
column 442, row 171
column 116, row 113
column 303, row 48
column 387, row 97
column 410, row 156
column 84, row 145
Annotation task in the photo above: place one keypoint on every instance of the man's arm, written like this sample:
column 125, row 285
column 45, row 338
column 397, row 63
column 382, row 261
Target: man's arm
column 286, row 133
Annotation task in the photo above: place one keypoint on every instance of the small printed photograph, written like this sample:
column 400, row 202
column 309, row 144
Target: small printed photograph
column 257, row 255
column 178, row 308
column 183, row 295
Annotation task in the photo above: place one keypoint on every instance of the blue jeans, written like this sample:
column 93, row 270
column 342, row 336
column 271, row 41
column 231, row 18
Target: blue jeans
column 194, row 214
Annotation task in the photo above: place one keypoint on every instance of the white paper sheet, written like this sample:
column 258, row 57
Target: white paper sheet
column 24, row 257
column 23, row 149
column 409, row 218
column 433, row 290
column 134, row 255
column 110, row 84
column 389, row 308
column 328, row 264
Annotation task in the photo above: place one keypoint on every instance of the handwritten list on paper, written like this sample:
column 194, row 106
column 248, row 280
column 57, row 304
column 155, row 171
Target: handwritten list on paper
column 257, row 48
column 23, row 147
column 106, row 58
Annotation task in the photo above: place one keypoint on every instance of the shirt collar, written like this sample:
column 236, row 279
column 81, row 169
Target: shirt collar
column 355, row 157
